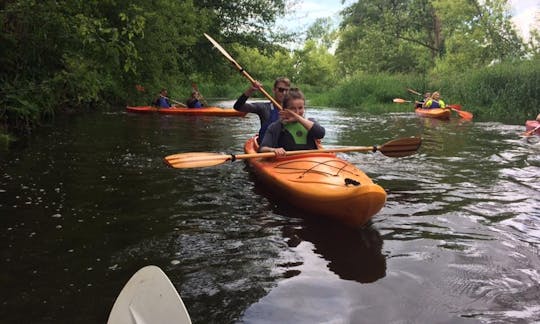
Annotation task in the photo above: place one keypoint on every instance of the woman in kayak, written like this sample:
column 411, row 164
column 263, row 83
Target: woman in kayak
column 292, row 131
column 420, row 104
column 194, row 101
column 265, row 110
column 434, row 101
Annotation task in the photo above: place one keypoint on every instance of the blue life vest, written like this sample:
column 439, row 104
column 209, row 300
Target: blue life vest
column 163, row 102
column 274, row 115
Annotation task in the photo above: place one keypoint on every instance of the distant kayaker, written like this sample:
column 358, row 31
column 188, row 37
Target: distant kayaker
column 292, row 132
column 162, row 100
column 195, row 100
column 435, row 101
column 265, row 110
column 420, row 104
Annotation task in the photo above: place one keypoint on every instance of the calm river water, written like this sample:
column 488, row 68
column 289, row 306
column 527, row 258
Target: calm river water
column 88, row 201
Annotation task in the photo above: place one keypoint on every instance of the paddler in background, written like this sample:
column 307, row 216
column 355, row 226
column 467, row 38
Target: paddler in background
column 420, row 104
column 292, row 131
column 195, row 100
column 265, row 110
column 435, row 101
column 162, row 100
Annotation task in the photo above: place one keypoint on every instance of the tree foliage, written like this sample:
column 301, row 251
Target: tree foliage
column 426, row 35
column 60, row 54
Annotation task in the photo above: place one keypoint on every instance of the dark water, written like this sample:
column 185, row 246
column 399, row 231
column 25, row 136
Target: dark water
column 89, row 201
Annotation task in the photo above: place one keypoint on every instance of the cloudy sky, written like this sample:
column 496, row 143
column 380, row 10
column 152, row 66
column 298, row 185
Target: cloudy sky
column 523, row 12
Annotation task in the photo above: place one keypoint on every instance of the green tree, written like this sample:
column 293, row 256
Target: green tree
column 323, row 32
column 480, row 35
column 314, row 65
column 59, row 54
column 387, row 35
column 416, row 35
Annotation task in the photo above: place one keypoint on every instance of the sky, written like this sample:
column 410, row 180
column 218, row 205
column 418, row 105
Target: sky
column 523, row 12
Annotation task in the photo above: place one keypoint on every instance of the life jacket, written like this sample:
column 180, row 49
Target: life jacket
column 431, row 103
column 294, row 137
column 162, row 102
column 274, row 115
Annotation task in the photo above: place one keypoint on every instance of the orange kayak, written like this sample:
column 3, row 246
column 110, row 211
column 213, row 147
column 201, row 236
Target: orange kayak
column 438, row 113
column 532, row 124
column 320, row 183
column 205, row 111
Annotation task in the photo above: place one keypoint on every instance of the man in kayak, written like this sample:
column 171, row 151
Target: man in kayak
column 265, row 110
column 162, row 101
column 292, row 131
column 434, row 101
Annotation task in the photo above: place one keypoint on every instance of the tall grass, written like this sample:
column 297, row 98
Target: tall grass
column 370, row 93
column 508, row 92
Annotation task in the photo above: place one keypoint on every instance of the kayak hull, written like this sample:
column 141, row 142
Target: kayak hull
column 532, row 124
column 437, row 113
column 205, row 111
column 320, row 183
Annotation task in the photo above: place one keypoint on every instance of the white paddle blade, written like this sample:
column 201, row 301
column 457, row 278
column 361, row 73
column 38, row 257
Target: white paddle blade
column 149, row 297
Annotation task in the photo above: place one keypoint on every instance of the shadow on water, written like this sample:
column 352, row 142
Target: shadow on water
column 352, row 253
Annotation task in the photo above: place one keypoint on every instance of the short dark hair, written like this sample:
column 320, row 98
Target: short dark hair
column 282, row 80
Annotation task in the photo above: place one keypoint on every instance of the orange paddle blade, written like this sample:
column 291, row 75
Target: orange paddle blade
column 196, row 160
column 399, row 100
column 401, row 147
column 463, row 114
column 458, row 107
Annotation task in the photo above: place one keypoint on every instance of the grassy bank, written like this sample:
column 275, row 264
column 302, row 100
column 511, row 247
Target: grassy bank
column 504, row 92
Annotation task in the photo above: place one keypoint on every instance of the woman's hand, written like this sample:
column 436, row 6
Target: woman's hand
column 288, row 116
column 280, row 152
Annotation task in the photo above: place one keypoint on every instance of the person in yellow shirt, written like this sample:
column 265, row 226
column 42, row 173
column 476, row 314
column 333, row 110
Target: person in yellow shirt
column 434, row 101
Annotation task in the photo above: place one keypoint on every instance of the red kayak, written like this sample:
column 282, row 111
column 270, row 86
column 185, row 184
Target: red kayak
column 321, row 184
column 205, row 111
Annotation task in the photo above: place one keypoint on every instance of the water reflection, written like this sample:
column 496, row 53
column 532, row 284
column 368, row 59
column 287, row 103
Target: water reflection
column 352, row 253
column 460, row 227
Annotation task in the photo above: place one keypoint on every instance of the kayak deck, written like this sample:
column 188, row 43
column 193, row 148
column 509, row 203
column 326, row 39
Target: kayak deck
column 205, row 111
column 320, row 183
column 437, row 113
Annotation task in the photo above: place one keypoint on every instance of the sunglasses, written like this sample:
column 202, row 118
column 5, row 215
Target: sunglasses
column 282, row 89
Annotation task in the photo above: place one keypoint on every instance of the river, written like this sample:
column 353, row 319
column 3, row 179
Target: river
column 88, row 201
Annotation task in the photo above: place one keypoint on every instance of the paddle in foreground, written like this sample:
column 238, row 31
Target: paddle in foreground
column 149, row 297
column 395, row 148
